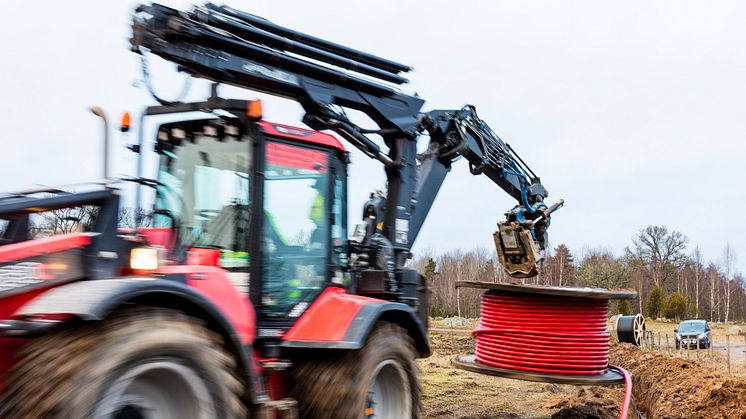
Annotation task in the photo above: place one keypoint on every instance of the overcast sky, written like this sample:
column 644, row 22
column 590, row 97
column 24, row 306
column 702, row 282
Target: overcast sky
column 632, row 111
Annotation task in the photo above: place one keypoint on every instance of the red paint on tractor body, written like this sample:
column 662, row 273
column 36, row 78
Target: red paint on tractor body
column 329, row 317
column 214, row 284
column 301, row 134
column 158, row 236
column 11, row 302
column 291, row 156
column 30, row 248
column 203, row 257
column 9, row 346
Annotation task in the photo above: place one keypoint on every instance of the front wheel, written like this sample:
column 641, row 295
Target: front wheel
column 140, row 364
column 378, row 381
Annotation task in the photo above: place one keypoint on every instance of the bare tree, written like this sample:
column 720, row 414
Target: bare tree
column 712, row 276
column 697, row 268
column 729, row 261
column 600, row 268
column 64, row 220
column 457, row 265
column 129, row 217
column 659, row 252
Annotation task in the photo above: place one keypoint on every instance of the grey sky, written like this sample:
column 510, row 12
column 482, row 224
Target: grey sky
column 631, row 111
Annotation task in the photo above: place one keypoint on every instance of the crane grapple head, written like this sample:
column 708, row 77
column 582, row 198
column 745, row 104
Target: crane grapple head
column 517, row 251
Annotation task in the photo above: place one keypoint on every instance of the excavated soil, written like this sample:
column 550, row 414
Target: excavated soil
column 590, row 403
column 666, row 387
column 663, row 387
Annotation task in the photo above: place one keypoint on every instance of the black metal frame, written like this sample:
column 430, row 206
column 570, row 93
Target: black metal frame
column 103, row 257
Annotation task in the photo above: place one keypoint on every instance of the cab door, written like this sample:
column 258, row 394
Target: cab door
column 301, row 243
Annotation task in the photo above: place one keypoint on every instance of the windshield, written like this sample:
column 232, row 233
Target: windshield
column 207, row 190
column 692, row 327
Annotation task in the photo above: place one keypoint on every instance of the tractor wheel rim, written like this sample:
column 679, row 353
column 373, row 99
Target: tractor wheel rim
column 161, row 389
column 389, row 393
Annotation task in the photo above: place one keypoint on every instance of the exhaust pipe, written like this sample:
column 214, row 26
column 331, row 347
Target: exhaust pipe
column 96, row 110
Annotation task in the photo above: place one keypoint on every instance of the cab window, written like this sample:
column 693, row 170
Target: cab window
column 295, row 238
column 205, row 185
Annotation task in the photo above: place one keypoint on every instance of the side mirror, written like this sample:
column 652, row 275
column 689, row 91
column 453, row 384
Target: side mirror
column 675, row 330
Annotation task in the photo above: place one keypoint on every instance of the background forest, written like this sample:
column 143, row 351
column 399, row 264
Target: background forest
column 671, row 277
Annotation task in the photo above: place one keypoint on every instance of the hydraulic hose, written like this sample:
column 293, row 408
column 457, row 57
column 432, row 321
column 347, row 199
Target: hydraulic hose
column 530, row 208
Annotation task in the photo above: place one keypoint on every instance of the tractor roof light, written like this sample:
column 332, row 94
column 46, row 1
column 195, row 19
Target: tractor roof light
column 125, row 125
column 145, row 259
column 254, row 109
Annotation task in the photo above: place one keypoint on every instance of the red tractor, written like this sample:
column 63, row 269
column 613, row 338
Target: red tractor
column 239, row 294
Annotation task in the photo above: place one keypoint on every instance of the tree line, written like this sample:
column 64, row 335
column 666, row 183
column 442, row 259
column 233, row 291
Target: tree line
column 671, row 277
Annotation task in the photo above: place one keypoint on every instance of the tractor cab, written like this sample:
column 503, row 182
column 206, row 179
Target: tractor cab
column 265, row 201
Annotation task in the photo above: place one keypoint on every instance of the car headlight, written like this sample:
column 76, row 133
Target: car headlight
column 702, row 336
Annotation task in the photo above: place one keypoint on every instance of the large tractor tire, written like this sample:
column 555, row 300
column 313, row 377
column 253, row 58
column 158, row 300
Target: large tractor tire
column 378, row 381
column 139, row 364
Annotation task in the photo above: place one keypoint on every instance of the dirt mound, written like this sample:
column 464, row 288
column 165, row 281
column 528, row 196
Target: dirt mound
column 675, row 388
column 590, row 403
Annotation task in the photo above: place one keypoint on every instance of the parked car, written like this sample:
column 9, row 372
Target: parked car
column 692, row 331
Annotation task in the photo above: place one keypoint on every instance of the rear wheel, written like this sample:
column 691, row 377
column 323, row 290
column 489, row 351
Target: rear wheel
column 140, row 364
column 378, row 381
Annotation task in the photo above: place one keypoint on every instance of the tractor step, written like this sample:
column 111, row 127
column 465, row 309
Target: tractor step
column 281, row 409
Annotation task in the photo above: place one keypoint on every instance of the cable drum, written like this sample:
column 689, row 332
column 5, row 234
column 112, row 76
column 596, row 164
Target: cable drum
column 630, row 329
column 548, row 334
column 545, row 333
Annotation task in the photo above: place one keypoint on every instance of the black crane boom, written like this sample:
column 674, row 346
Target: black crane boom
column 229, row 46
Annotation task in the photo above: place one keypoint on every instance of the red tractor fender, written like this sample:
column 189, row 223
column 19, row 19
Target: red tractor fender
column 199, row 291
column 338, row 320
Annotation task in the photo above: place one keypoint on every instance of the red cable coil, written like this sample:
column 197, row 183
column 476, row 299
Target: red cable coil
column 545, row 334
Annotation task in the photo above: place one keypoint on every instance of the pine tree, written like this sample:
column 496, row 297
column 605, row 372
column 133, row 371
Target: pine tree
column 623, row 308
column 655, row 302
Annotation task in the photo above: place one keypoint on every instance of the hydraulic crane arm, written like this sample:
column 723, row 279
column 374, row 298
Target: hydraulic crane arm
column 225, row 45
